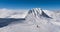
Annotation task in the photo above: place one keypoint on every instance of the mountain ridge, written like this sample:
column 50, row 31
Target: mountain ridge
column 38, row 12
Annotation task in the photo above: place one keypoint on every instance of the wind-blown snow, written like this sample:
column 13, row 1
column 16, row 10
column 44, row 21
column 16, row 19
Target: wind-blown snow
column 36, row 20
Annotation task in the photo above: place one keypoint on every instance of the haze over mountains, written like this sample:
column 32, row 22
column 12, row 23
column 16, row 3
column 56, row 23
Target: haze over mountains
column 34, row 20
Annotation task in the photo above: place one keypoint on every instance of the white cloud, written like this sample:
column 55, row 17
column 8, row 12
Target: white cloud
column 11, row 13
column 31, row 22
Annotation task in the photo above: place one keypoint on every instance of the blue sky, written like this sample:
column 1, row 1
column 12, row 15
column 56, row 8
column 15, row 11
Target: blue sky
column 28, row 4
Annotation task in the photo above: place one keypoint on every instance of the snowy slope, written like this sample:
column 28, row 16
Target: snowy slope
column 36, row 20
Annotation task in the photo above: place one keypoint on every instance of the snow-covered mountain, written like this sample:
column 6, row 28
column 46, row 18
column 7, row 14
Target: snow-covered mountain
column 38, row 12
column 35, row 20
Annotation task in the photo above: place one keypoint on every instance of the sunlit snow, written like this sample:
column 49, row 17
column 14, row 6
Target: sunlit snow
column 35, row 20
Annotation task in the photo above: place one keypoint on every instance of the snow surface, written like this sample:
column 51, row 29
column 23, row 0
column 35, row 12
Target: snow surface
column 36, row 20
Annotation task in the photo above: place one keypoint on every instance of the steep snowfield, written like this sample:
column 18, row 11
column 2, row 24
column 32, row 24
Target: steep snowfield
column 36, row 20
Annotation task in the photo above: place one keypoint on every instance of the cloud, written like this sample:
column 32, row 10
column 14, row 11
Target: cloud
column 11, row 13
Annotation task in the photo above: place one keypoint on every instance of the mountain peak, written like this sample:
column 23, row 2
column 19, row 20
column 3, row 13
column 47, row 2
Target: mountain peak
column 35, row 10
column 38, row 12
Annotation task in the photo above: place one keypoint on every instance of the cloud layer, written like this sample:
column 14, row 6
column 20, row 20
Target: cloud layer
column 11, row 13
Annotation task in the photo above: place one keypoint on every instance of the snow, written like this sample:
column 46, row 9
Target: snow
column 36, row 20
